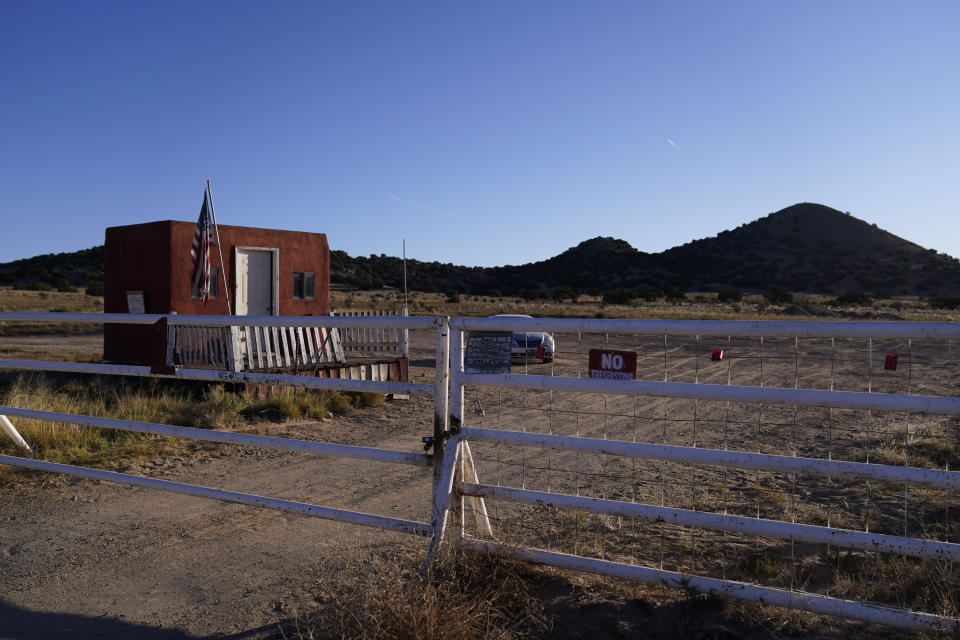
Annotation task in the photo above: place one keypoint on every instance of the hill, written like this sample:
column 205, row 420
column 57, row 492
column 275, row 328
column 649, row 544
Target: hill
column 804, row 248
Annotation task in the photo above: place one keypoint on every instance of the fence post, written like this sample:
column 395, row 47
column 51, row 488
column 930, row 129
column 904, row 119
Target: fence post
column 441, row 429
column 405, row 336
column 234, row 350
column 172, row 345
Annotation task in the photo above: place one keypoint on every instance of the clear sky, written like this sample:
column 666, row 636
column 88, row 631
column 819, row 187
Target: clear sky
column 485, row 133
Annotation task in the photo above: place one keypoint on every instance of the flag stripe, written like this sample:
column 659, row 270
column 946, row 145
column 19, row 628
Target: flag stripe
column 200, row 252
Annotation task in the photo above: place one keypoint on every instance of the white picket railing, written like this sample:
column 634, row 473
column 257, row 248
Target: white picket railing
column 250, row 347
column 372, row 341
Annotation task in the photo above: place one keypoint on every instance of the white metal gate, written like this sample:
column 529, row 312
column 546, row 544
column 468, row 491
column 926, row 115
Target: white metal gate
column 748, row 459
column 745, row 459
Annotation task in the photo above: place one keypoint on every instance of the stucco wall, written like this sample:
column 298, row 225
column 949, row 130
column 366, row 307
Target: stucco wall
column 155, row 258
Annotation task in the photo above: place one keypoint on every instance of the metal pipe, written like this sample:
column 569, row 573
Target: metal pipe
column 11, row 431
column 210, row 375
column 443, row 494
column 801, row 600
column 768, row 395
column 403, row 322
column 724, row 328
column 723, row 522
column 456, row 377
column 722, row 458
column 316, row 511
column 245, row 439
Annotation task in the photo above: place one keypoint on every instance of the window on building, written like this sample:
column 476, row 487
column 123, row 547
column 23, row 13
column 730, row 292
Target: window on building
column 214, row 285
column 303, row 285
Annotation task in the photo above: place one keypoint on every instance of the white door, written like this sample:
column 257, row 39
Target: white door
column 254, row 282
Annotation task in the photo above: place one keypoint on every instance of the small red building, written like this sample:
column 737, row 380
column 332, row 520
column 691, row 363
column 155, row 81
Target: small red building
column 268, row 272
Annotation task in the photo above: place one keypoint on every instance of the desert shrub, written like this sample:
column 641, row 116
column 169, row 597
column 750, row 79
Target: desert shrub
column 360, row 399
column 290, row 404
column 217, row 408
column 453, row 296
column 650, row 294
column 777, row 295
column 565, row 293
column 34, row 286
column 675, row 294
column 622, row 295
column 944, row 302
column 851, row 298
column 94, row 288
column 529, row 294
column 730, row 295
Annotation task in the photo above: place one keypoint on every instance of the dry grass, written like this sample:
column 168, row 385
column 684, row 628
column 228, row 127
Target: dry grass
column 385, row 596
column 58, row 301
column 158, row 401
column 699, row 306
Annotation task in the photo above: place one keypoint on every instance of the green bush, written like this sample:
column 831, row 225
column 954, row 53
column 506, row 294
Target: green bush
column 94, row 288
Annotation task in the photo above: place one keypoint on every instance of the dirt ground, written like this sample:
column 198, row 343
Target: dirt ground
column 86, row 559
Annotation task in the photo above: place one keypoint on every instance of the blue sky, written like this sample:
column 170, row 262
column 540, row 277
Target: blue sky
column 484, row 133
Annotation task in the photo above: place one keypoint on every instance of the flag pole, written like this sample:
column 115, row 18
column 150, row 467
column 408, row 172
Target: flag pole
column 216, row 230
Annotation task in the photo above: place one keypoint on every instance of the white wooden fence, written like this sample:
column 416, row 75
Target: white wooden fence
column 373, row 341
column 250, row 347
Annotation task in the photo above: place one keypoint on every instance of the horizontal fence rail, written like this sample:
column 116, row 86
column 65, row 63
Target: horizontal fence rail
column 211, row 375
column 862, row 540
column 698, row 391
column 812, row 602
column 316, row 511
column 227, row 437
column 740, row 328
column 192, row 320
column 723, row 457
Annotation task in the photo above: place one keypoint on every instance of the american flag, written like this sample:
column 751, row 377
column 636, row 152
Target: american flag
column 200, row 252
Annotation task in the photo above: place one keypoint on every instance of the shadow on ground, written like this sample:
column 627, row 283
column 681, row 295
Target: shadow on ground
column 17, row 623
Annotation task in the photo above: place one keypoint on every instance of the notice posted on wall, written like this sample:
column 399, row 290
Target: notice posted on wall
column 613, row 365
column 135, row 302
column 488, row 352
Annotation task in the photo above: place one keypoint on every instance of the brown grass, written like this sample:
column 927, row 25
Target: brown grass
column 157, row 401
column 58, row 301
column 385, row 596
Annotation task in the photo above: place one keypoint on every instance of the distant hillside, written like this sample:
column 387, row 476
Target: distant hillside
column 82, row 269
column 803, row 248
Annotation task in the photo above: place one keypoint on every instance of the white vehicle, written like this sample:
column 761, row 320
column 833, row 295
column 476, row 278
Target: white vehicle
column 529, row 346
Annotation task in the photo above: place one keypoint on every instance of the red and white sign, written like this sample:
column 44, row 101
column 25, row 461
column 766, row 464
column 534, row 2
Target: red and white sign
column 613, row 365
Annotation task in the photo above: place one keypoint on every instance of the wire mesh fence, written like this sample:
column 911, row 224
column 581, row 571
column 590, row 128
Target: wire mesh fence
column 910, row 439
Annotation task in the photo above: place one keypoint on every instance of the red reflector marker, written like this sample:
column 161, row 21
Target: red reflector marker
column 717, row 355
column 541, row 353
column 890, row 363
